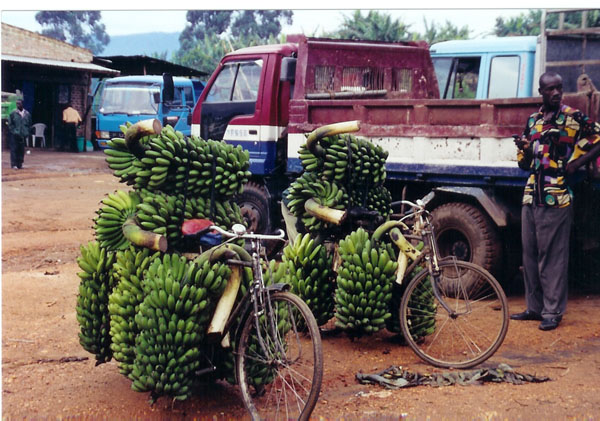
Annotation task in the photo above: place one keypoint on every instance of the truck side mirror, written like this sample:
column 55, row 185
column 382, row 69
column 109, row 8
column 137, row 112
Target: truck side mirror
column 288, row 69
column 168, row 88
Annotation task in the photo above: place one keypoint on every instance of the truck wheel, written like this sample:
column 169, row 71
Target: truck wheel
column 254, row 205
column 465, row 232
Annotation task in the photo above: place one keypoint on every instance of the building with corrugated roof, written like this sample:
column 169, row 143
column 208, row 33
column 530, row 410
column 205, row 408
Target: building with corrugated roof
column 49, row 74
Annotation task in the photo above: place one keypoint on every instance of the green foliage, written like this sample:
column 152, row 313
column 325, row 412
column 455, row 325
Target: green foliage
column 524, row 24
column 530, row 23
column 82, row 29
column 206, row 39
column 446, row 32
column 375, row 26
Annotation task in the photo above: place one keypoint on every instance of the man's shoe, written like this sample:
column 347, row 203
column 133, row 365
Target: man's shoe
column 550, row 323
column 526, row 315
column 15, row 167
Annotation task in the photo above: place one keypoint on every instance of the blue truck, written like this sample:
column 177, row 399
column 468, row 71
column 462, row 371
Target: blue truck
column 134, row 98
column 487, row 68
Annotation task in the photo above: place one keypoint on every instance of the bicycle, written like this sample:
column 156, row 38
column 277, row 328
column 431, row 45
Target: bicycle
column 279, row 361
column 467, row 317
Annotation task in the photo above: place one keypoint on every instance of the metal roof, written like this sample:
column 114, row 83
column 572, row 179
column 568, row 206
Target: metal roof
column 94, row 68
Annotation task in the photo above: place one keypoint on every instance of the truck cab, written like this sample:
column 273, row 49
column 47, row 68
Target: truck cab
column 134, row 98
column 486, row 68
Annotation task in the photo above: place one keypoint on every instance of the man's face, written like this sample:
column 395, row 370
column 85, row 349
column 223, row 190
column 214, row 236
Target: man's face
column 551, row 90
column 19, row 105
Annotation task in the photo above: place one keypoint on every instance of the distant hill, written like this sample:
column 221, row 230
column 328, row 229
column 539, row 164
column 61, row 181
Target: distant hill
column 143, row 44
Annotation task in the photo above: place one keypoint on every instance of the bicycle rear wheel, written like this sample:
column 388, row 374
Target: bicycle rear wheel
column 282, row 379
column 474, row 329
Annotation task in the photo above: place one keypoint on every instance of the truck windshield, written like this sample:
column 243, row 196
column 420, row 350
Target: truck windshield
column 130, row 99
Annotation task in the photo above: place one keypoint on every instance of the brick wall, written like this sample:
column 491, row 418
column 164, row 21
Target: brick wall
column 20, row 42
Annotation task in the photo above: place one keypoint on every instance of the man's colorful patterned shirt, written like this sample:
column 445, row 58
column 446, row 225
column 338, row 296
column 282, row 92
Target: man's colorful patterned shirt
column 554, row 143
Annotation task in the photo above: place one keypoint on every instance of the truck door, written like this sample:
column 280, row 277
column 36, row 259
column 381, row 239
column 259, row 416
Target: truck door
column 234, row 93
column 175, row 113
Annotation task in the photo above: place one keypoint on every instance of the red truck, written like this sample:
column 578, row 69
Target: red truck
column 458, row 152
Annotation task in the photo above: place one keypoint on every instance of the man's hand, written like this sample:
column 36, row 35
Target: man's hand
column 521, row 143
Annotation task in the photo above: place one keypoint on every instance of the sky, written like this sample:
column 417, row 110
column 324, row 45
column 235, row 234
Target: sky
column 310, row 21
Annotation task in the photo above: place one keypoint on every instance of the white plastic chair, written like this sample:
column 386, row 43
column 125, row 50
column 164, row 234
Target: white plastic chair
column 38, row 131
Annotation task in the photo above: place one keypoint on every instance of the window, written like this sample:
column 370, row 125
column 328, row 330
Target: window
column 189, row 96
column 246, row 84
column 178, row 97
column 442, row 67
column 237, row 82
column 129, row 99
column 458, row 77
column 504, row 77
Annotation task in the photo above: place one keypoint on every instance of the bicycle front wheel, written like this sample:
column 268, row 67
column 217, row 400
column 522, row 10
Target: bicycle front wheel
column 280, row 360
column 471, row 331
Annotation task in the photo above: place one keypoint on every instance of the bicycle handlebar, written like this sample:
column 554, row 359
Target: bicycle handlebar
column 239, row 231
column 419, row 206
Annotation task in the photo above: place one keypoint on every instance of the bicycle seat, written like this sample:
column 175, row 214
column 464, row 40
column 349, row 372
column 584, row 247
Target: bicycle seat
column 197, row 232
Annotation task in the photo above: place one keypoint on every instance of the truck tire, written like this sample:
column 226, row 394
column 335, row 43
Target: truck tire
column 464, row 231
column 254, row 205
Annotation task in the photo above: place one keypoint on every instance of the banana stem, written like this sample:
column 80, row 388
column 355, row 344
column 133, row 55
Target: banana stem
column 225, row 304
column 138, row 130
column 324, row 213
column 312, row 141
column 142, row 238
column 403, row 244
column 386, row 226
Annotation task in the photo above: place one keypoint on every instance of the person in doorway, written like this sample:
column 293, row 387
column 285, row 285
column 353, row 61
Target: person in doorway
column 71, row 120
column 19, row 126
column 557, row 141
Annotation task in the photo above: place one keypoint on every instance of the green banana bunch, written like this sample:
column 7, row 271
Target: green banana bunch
column 325, row 193
column 309, row 271
column 115, row 210
column 364, row 284
column 164, row 214
column 423, row 324
column 92, row 301
column 175, row 164
column 377, row 199
column 124, row 164
column 368, row 162
column 171, row 321
column 348, row 160
column 123, row 303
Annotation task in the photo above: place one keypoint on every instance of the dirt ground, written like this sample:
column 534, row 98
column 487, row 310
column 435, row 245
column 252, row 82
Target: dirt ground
column 47, row 211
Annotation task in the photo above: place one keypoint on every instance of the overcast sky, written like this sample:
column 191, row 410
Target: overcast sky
column 311, row 22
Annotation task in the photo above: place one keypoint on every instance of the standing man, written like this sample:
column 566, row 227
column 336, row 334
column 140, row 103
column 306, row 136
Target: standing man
column 19, row 126
column 557, row 140
column 71, row 120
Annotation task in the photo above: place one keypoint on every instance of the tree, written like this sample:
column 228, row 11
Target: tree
column 375, row 26
column 524, row 24
column 530, row 23
column 445, row 33
column 82, row 29
column 212, row 33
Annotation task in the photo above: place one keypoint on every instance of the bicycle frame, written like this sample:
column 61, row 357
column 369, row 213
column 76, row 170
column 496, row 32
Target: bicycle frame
column 257, row 296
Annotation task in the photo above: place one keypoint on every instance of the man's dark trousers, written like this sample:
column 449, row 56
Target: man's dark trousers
column 71, row 135
column 545, row 234
column 17, row 150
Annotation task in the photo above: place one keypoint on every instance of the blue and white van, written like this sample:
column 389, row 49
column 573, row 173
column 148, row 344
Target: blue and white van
column 134, row 98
